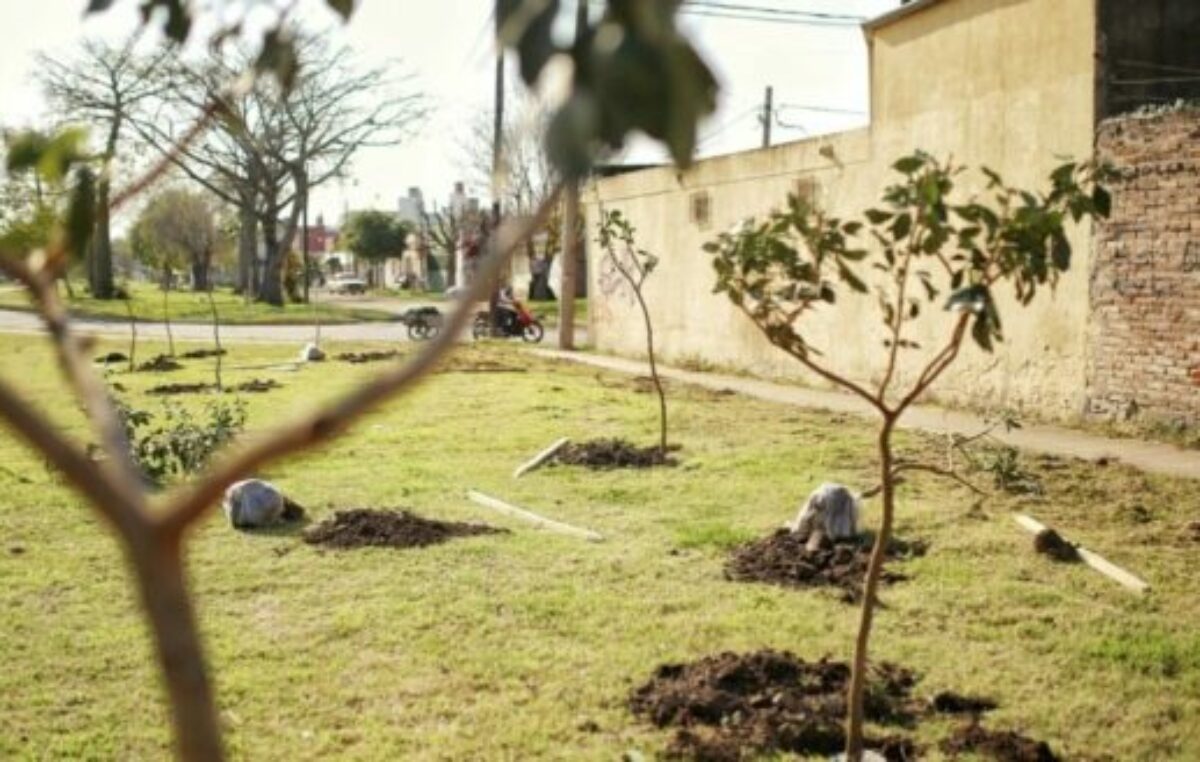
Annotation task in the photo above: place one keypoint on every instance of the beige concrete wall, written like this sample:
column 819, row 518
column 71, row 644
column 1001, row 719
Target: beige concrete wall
column 1003, row 83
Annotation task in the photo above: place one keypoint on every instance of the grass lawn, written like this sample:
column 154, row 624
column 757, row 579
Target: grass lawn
column 526, row 645
column 190, row 307
column 548, row 312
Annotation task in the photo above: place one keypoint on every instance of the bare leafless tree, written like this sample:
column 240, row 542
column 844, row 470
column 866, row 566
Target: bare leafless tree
column 273, row 146
column 100, row 85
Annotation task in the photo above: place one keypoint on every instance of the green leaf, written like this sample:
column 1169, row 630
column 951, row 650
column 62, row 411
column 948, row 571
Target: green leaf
column 982, row 333
column 908, row 164
column 279, row 57
column 344, row 8
column 901, row 227
column 878, row 216
column 1060, row 251
column 1102, row 201
column 81, row 211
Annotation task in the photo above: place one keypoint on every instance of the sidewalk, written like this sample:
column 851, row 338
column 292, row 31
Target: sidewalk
column 1152, row 457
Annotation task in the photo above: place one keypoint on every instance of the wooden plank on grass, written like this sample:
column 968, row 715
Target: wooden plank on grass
column 1097, row 562
column 540, row 458
column 508, row 509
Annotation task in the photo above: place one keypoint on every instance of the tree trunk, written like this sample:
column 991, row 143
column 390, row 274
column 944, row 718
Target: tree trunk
column 100, row 269
column 200, row 275
column 247, row 248
column 159, row 568
column 167, row 311
column 858, row 675
column 658, row 387
column 270, row 284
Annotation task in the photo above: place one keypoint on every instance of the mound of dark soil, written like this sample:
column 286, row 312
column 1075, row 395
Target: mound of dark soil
column 731, row 706
column 459, row 365
column 364, row 527
column 201, row 354
column 259, row 385
column 1051, row 543
column 160, row 364
column 612, row 453
column 112, row 357
column 782, row 559
column 168, row 390
column 948, row 702
column 1001, row 745
column 359, row 358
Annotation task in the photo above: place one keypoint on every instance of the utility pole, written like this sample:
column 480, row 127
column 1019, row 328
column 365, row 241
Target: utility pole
column 570, row 241
column 497, row 166
column 767, row 116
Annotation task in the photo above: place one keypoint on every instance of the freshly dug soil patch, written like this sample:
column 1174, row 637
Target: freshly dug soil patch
column 160, row 364
column 364, row 527
column 259, row 385
column 458, row 365
column 359, row 358
column 1001, row 745
column 200, row 354
column 169, row 390
column 782, row 559
column 112, row 357
column 948, row 702
column 731, row 706
column 612, row 453
column 1051, row 543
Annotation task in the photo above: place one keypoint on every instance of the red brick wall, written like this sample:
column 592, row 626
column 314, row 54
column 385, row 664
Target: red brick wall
column 1145, row 283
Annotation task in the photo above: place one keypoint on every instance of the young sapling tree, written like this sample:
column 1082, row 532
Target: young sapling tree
column 618, row 240
column 923, row 242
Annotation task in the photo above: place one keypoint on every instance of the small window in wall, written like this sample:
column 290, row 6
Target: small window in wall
column 701, row 209
column 805, row 188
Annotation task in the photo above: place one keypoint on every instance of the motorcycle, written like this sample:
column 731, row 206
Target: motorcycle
column 424, row 323
column 520, row 322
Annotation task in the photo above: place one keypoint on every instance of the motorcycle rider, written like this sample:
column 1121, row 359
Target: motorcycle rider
column 507, row 311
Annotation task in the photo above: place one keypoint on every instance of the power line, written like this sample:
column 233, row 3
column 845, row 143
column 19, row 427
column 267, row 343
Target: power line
column 743, row 8
column 693, row 11
column 820, row 109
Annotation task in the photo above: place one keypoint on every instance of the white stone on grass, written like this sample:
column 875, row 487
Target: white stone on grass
column 253, row 503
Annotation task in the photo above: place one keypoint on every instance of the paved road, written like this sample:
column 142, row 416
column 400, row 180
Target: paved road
column 12, row 321
column 1153, row 457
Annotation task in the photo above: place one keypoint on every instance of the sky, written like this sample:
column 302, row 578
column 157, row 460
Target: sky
column 819, row 76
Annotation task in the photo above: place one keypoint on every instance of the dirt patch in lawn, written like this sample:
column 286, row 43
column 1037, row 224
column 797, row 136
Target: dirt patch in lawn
column 259, row 385
column 160, row 364
column 170, row 390
column 463, row 365
column 782, row 559
column 1001, row 745
column 602, row 454
column 949, row 702
column 358, row 358
column 255, row 386
column 365, row 527
column 732, row 706
column 201, row 354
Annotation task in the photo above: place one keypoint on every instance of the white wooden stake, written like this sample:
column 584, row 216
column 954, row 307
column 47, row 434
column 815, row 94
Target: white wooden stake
column 541, row 521
column 540, row 458
column 1099, row 563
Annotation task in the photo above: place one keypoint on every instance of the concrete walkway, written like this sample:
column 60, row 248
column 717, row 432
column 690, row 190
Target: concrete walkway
column 1152, row 457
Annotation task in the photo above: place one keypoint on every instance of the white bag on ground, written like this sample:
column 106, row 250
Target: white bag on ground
column 831, row 510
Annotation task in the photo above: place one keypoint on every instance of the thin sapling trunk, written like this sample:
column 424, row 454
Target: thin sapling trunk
column 216, row 322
